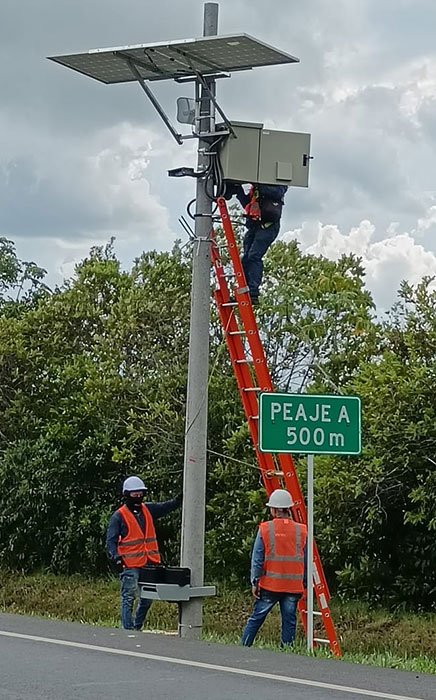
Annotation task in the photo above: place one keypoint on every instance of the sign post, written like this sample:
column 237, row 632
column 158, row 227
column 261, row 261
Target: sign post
column 309, row 424
column 309, row 593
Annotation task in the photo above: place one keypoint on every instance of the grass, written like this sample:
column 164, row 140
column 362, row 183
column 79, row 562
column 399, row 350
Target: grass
column 372, row 636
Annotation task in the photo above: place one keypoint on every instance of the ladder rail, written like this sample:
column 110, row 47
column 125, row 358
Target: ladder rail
column 274, row 469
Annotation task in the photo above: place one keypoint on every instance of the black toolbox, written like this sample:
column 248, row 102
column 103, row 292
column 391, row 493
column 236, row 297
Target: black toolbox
column 179, row 575
column 151, row 574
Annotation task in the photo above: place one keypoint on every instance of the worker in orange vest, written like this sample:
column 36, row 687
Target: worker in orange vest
column 278, row 569
column 131, row 545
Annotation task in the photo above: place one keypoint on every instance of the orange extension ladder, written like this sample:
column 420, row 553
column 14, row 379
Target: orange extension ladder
column 252, row 376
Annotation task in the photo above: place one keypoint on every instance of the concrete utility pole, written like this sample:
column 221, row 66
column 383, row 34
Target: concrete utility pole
column 194, row 480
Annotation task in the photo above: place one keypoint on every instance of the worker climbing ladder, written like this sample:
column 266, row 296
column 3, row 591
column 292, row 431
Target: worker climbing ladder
column 252, row 376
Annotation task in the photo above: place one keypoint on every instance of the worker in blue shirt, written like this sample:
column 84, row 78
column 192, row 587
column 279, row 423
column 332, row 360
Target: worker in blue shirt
column 257, row 562
column 263, row 206
column 131, row 544
column 278, row 569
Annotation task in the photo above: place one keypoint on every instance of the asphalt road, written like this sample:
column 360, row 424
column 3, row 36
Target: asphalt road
column 42, row 659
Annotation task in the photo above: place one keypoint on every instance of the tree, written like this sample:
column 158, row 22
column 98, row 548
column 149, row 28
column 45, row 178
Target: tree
column 93, row 389
column 316, row 314
column 95, row 376
column 21, row 283
column 377, row 513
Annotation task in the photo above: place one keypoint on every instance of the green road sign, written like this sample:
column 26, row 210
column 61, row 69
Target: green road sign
column 309, row 424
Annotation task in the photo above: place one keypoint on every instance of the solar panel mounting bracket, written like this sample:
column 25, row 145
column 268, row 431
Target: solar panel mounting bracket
column 133, row 65
column 214, row 101
column 192, row 78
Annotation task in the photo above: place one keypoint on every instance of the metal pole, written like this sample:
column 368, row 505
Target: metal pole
column 210, row 20
column 194, row 479
column 310, row 552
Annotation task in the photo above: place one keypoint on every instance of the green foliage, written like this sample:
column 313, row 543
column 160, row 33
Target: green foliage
column 21, row 283
column 93, row 384
column 317, row 313
column 86, row 377
column 385, row 501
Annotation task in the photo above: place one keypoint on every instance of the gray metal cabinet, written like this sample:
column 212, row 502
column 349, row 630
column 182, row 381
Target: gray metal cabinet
column 266, row 156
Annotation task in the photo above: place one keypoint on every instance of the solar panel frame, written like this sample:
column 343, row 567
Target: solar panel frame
column 173, row 60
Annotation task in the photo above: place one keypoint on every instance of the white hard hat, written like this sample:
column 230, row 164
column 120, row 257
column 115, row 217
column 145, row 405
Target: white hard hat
column 280, row 498
column 133, row 483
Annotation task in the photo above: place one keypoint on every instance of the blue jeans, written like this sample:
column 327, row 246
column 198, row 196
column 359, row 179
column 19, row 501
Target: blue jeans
column 129, row 590
column 257, row 240
column 262, row 606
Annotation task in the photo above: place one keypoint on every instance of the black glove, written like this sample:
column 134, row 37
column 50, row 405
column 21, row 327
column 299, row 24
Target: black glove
column 232, row 189
column 118, row 565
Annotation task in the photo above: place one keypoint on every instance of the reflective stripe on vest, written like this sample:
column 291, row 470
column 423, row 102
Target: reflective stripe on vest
column 289, row 577
column 130, row 543
column 138, row 548
column 284, row 542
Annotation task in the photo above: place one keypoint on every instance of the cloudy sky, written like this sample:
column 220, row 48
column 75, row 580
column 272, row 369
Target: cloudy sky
column 81, row 161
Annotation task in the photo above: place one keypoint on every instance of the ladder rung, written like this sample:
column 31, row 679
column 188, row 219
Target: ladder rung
column 254, row 417
column 320, row 640
column 243, row 362
column 315, row 612
column 230, row 303
column 235, row 332
column 253, row 388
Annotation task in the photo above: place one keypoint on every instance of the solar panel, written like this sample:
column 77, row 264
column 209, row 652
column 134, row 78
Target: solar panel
column 176, row 59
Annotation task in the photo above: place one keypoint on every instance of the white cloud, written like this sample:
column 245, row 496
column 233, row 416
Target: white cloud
column 82, row 193
column 80, row 161
column 91, row 188
column 428, row 220
column 396, row 257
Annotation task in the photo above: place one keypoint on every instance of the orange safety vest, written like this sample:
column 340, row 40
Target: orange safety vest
column 138, row 548
column 284, row 541
column 252, row 210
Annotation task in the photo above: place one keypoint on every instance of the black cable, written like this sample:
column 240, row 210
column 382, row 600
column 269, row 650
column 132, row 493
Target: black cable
column 214, row 177
column 221, row 187
column 188, row 209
